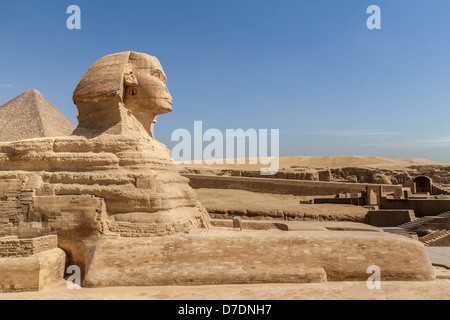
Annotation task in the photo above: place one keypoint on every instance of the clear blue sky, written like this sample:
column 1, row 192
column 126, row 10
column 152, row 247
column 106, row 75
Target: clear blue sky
column 310, row 68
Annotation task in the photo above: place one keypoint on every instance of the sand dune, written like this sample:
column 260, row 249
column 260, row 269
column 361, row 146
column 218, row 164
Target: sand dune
column 350, row 161
column 325, row 162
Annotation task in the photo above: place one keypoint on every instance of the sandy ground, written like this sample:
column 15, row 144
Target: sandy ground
column 433, row 290
column 260, row 205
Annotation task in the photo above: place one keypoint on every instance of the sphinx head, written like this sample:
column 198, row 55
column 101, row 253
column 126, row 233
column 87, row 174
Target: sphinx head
column 121, row 93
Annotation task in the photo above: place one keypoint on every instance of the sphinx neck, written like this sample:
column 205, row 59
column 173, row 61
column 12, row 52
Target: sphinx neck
column 110, row 118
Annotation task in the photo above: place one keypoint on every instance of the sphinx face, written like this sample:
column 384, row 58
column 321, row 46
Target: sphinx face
column 152, row 92
column 123, row 86
column 151, row 95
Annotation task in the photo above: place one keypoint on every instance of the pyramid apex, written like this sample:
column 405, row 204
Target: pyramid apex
column 33, row 91
column 30, row 93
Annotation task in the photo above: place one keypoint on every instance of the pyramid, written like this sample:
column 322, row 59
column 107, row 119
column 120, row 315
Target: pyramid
column 31, row 115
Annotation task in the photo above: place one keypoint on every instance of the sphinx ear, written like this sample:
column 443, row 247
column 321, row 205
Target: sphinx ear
column 130, row 80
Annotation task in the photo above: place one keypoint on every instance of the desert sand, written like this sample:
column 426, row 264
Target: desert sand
column 392, row 290
column 365, row 169
column 327, row 162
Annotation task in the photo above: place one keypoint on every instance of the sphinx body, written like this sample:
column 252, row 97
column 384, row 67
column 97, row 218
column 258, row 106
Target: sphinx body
column 135, row 178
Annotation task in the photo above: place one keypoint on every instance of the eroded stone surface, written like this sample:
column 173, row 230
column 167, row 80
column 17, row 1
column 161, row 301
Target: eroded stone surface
column 110, row 177
column 112, row 154
column 270, row 256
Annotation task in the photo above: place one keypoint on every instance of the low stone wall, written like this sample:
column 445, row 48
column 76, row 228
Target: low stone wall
column 352, row 201
column 421, row 207
column 251, row 225
column 296, row 225
column 10, row 247
column 143, row 230
column 389, row 218
column 280, row 186
column 269, row 256
column 32, row 273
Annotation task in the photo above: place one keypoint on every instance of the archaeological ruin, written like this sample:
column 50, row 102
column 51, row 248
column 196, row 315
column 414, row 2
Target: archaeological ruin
column 108, row 199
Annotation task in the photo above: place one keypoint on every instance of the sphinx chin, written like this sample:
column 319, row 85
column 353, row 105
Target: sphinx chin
column 165, row 107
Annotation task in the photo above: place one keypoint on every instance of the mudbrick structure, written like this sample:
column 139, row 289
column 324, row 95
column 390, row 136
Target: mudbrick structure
column 121, row 211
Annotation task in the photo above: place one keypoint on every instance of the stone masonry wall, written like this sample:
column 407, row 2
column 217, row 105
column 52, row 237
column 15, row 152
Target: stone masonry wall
column 421, row 207
column 10, row 247
column 11, row 215
column 280, row 186
column 14, row 209
column 32, row 273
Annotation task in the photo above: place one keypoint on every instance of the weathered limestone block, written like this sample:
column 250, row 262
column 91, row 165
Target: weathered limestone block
column 32, row 273
column 231, row 257
column 30, row 264
column 389, row 218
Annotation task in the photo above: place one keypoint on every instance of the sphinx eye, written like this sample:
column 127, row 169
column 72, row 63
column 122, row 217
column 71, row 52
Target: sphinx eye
column 157, row 73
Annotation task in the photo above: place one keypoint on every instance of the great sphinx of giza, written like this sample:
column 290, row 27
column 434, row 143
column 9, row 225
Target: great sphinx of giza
column 126, row 217
column 112, row 154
